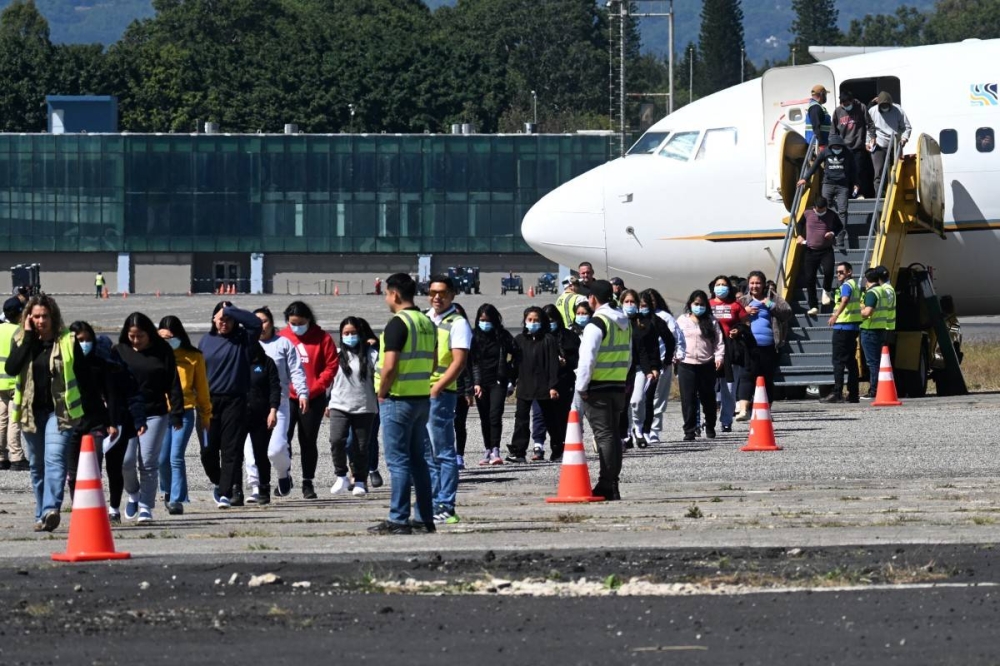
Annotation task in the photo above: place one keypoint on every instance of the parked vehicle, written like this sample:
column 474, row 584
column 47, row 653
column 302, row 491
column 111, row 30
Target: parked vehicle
column 511, row 283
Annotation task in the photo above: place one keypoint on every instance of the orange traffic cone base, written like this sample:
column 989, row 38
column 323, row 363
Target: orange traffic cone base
column 89, row 557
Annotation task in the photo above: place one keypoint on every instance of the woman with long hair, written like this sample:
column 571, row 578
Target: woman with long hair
column 569, row 358
column 495, row 359
column 670, row 356
column 193, row 376
column 537, row 380
column 696, row 373
column 769, row 314
column 353, row 406
column 731, row 317
column 151, row 361
column 646, row 364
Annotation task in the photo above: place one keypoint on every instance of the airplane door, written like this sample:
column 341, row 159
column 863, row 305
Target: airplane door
column 785, row 96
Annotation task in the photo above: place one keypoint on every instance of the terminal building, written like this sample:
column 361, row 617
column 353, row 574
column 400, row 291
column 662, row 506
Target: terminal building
column 274, row 213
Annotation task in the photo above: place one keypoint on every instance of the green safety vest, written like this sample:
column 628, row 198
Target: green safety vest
column 887, row 305
column 614, row 356
column 416, row 361
column 444, row 355
column 74, row 401
column 871, row 323
column 7, row 331
column 99, row 280
column 852, row 313
column 566, row 304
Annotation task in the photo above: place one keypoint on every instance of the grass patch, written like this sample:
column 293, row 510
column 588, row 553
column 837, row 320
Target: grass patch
column 729, row 486
column 694, row 512
column 250, row 533
column 570, row 518
column 979, row 366
column 38, row 610
column 984, row 520
column 715, row 499
column 261, row 546
column 613, row 582
column 850, row 498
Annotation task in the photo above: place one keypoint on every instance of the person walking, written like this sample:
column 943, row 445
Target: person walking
column 228, row 350
column 839, row 176
column 537, row 379
column 47, row 362
column 99, row 284
column 819, row 123
column 193, row 376
column 569, row 359
column 319, row 361
column 846, row 323
column 407, row 359
column 495, row 359
column 730, row 315
column 769, row 314
column 605, row 358
column 11, row 451
column 151, row 361
column 817, row 230
column 646, row 365
column 374, row 478
column 352, row 408
column 885, row 120
column 669, row 357
column 850, row 123
column 702, row 362
column 262, row 417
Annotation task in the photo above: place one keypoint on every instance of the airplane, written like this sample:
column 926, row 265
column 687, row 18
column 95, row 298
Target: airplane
column 698, row 195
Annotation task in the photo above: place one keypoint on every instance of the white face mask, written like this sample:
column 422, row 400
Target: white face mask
column 848, row 107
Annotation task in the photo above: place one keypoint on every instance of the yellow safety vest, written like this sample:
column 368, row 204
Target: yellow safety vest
column 416, row 360
column 887, row 304
column 74, row 401
column 852, row 313
column 99, row 280
column 566, row 304
column 614, row 356
column 7, row 331
column 444, row 355
column 874, row 323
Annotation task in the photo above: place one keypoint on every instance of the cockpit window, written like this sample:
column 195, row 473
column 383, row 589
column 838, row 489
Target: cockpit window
column 648, row 143
column 680, row 146
column 717, row 142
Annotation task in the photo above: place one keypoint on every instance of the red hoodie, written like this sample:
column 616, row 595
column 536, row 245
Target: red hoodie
column 319, row 359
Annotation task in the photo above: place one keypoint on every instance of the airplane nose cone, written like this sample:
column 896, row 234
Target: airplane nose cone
column 567, row 224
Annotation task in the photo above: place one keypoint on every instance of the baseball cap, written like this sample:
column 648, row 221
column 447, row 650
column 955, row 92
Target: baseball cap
column 13, row 304
column 617, row 282
column 819, row 88
column 568, row 280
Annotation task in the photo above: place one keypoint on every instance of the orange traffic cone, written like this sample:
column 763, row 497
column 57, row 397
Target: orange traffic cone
column 89, row 529
column 124, row 294
column 761, row 427
column 886, row 395
column 157, row 293
column 336, row 290
column 574, row 477
column 105, row 292
column 531, row 292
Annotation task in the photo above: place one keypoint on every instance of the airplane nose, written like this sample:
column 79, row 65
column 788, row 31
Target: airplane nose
column 567, row 224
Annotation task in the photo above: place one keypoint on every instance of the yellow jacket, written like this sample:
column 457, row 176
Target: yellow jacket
column 194, row 383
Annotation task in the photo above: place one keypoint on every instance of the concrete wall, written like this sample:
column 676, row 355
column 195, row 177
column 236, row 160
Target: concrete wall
column 168, row 273
column 64, row 273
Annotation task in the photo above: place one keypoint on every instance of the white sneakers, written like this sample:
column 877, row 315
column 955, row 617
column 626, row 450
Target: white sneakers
column 359, row 490
column 812, row 312
column 340, row 485
column 826, row 298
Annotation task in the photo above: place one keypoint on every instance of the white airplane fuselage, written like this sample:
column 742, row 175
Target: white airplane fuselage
column 675, row 224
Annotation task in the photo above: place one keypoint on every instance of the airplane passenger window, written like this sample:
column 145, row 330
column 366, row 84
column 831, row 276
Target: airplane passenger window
column 647, row 143
column 717, row 142
column 984, row 139
column 680, row 146
column 948, row 139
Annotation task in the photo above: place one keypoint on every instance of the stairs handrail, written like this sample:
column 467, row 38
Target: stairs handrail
column 779, row 281
column 877, row 229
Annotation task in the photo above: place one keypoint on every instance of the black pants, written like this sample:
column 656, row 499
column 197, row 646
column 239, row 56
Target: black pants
column 260, row 439
column 223, row 457
column 845, row 356
column 340, row 424
column 863, row 172
column 308, row 424
column 557, row 435
column 461, row 431
column 647, row 423
column 522, row 423
column 815, row 259
column 603, row 410
column 763, row 362
column 114, row 460
column 697, row 384
column 879, row 158
column 490, row 406
column 837, row 196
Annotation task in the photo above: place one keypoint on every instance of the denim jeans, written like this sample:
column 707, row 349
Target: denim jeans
column 727, row 399
column 142, row 460
column 404, row 426
column 872, row 340
column 439, row 447
column 173, row 471
column 46, row 448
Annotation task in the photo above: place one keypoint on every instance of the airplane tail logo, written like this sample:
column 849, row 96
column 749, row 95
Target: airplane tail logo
column 984, row 94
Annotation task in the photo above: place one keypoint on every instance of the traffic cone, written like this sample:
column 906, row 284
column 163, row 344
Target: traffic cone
column 336, row 290
column 531, row 292
column 886, row 395
column 157, row 293
column 761, row 427
column 105, row 292
column 124, row 294
column 89, row 528
column 574, row 477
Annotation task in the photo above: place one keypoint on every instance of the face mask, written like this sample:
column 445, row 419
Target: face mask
column 553, row 326
column 836, row 151
column 819, row 212
column 721, row 291
column 87, row 347
column 697, row 310
column 485, row 326
column 532, row 327
column 299, row 330
column 644, row 311
column 582, row 320
column 883, row 107
column 630, row 310
column 351, row 341
column 848, row 107
column 174, row 343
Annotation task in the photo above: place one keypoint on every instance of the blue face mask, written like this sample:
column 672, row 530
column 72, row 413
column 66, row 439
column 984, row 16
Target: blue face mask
column 582, row 320
column 630, row 310
column 553, row 326
column 351, row 341
column 299, row 330
column 485, row 326
column 721, row 291
column 174, row 343
column 87, row 347
column 532, row 327
column 836, row 151
column 697, row 310
column 644, row 312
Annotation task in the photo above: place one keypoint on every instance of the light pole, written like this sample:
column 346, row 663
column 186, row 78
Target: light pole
column 534, row 107
column 350, row 107
column 690, row 74
column 670, row 56
column 793, row 55
column 743, row 62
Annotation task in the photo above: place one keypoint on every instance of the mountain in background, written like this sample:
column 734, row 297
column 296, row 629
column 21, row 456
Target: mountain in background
column 89, row 21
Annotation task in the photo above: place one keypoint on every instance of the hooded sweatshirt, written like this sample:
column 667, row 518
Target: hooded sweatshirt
column 319, row 359
column 837, row 169
column 590, row 342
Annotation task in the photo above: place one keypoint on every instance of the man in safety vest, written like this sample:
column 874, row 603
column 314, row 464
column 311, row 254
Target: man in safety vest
column 568, row 300
column 846, row 324
column 454, row 339
column 11, row 451
column 878, row 314
column 819, row 122
column 99, row 283
column 406, row 361
column 605, row 357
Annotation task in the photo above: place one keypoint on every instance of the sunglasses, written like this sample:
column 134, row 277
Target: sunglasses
column 443, row 293
column 841, row 272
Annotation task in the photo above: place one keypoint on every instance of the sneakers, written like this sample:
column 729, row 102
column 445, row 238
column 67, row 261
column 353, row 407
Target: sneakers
column 19, row 466
column 742, row 416
column 652, row 438
column 487, row 458
column 710, row 432
column 374, row 479
column 812, row 312
column 339, row 486
column 832, row 398
column 445, row 517
column 495, row 458
column 236, row 496
column 220, row 501
column 359, row 490
column 284, row 487
column 639, row 439
column 515, row 459
column 131, row 509
column 307, row 489
column 145, row 516
column 175, row 508
column 4, row 464
column 689, row 437
column 114, row 517
column 252, row 497
column 50, row 521
column 460, row 462
column 427, row 528
column 263, row 498
column 826, row 298
column 537, row 454
column 727, row 428
column 388, row 527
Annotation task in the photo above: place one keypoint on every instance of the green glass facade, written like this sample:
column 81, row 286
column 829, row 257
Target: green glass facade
column 408, row 194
